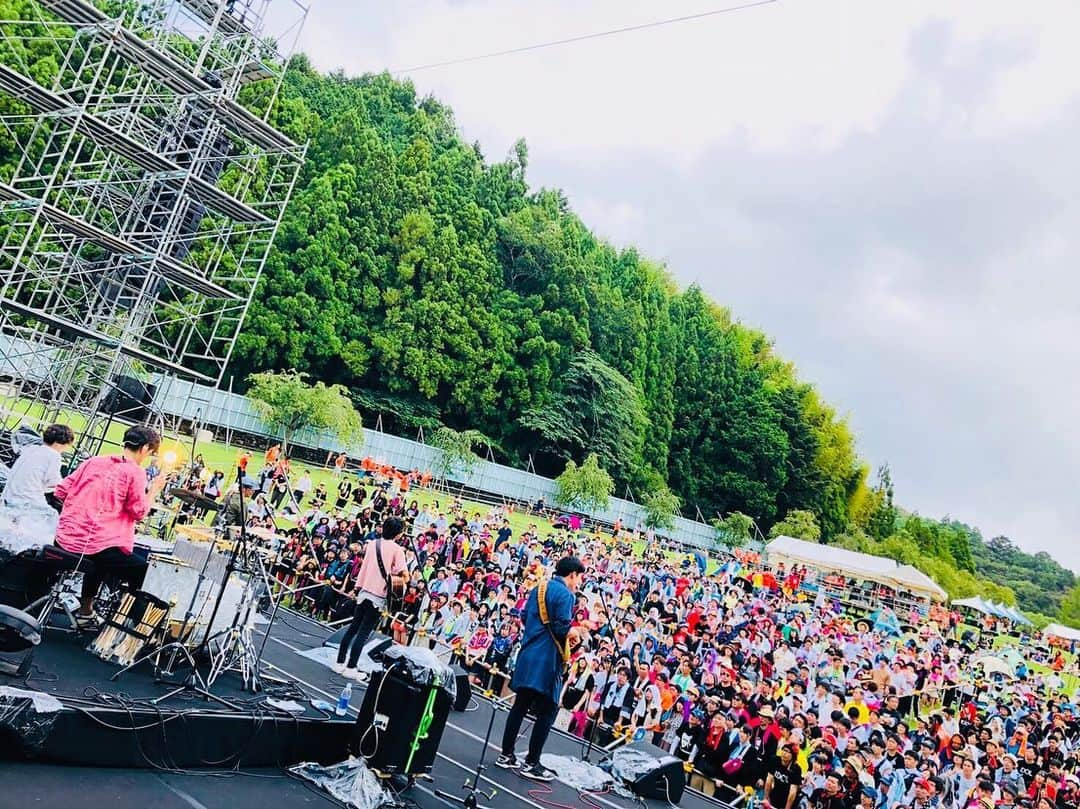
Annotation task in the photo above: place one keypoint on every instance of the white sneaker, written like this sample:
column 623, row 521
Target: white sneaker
column 338, row 668
column 353, row 674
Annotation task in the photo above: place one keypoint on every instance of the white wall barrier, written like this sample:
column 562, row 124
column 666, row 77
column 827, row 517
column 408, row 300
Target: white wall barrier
column 213, row 407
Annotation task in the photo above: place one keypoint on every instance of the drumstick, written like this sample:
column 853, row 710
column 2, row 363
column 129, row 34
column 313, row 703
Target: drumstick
column 108, row 636
column 131, row 646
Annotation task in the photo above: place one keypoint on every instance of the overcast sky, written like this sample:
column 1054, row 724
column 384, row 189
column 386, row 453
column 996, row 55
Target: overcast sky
column 889, row 190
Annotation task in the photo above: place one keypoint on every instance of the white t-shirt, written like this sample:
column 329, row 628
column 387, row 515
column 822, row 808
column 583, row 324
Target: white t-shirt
column 35, row 471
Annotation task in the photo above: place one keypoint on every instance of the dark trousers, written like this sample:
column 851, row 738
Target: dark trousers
column 112, row 564
column 544, row 710
column 904, row 706
column 365, row 619
column 325, row 599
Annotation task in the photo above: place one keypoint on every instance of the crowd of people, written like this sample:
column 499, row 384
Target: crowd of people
column 767, row 686
column 754, row 678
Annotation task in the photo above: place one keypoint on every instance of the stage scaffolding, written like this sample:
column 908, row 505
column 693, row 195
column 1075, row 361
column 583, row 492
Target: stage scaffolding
column 141, row 188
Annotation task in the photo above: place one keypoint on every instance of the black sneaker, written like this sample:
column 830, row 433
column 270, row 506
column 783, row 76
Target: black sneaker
column 507, row 762
column 537, row 772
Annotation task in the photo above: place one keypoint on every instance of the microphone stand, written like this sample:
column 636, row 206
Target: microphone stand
column 600, row 712
column 469, row 801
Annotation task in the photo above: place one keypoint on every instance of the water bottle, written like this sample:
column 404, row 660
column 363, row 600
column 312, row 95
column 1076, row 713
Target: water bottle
column 343, row 700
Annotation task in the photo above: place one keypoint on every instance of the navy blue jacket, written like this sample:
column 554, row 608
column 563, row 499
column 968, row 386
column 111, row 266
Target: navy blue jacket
column 539, row 666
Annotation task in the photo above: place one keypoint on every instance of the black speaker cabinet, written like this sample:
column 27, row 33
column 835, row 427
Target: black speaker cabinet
column 464, row 689
column 129, row 398
column 392, row 730
column 665, row 781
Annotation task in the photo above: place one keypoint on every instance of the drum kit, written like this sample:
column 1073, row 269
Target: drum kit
column 198, row 599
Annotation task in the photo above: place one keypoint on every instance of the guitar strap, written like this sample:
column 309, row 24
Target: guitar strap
column 541, row 602
column 382, row 569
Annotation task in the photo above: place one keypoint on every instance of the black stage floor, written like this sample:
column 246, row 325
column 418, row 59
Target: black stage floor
column 54, row 785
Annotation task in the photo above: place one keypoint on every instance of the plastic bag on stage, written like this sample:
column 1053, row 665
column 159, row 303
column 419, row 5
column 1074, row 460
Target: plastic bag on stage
column 423, row 666
column 25, row 528
column 24, row 436
column 29, row 715
column 576, row 774
column 350, row 782
column 629, row 764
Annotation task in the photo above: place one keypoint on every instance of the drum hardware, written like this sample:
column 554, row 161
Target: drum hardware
column 235, row 648
column 147, row 545
column 232, row 648
column 176, row 579
column 194, row 681
column 187, row 502
column 195, row 499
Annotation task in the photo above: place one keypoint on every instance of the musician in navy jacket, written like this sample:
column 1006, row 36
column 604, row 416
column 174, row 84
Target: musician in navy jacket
column 537, row 678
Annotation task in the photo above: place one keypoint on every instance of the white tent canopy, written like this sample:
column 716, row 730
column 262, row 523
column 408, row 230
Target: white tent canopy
column 912, row 578
column 990, row 608
column 1064, row 632
column 1015, row 614
column 858, row 565
column 975, row 603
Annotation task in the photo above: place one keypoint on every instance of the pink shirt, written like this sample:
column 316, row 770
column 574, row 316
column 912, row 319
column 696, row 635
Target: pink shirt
column 369, row 579
column 103, row 499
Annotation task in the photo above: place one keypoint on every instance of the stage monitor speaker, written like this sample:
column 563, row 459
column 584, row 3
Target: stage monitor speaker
column 394, row 731
column 664, row 781
column 464, row 689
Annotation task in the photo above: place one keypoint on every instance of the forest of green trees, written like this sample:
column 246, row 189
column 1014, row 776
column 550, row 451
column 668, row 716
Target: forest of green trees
column 441, row 289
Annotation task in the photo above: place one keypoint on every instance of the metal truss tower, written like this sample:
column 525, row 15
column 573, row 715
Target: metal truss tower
column 141, row 188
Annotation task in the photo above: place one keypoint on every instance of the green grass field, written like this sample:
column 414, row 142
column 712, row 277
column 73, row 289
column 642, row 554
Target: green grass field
column 217, row 455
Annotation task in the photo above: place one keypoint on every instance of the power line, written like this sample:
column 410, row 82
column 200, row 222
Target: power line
column 583, row 37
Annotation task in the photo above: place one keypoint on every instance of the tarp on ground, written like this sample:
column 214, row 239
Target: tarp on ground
column 886, row 622
column 995, row 665
column 1064, row 632
column 829, row 558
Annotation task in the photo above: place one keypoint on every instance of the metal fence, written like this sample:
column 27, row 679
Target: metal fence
column 230, row 411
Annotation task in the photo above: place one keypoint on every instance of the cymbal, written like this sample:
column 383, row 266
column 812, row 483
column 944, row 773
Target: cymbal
column 195, row 499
